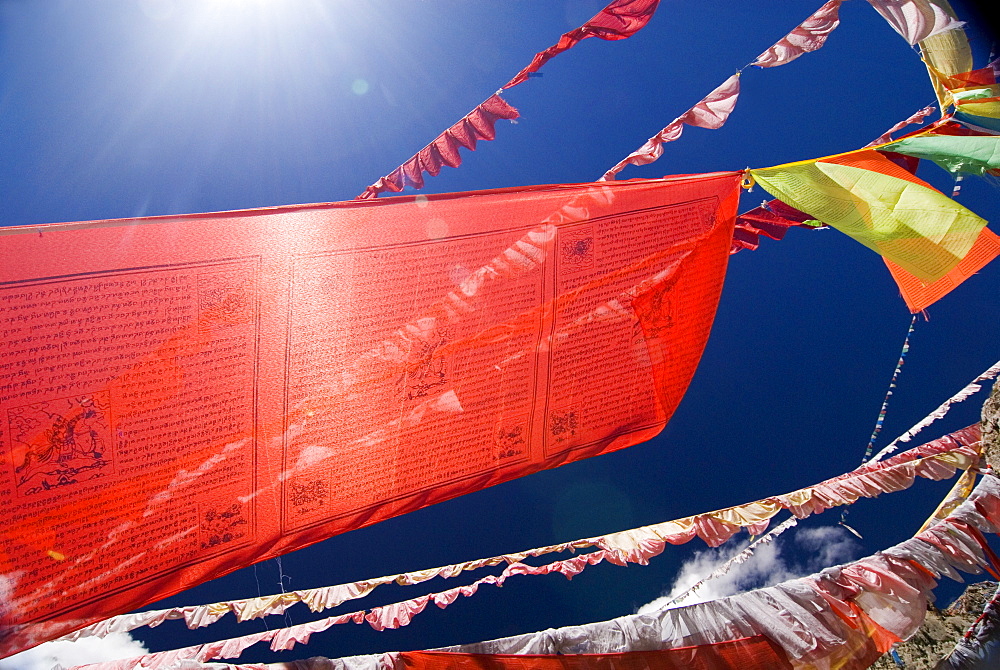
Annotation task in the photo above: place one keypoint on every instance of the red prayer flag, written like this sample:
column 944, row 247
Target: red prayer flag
column 750, row 653
column 182, row 396
column 479, row 124
column 976, row 78
column 619, row 20
column 772, row 219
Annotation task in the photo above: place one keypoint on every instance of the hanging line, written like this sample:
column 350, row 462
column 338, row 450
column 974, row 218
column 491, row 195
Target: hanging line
column 741, row 557
column 888, row 394
column 952, row 546
column 712, row 111
column 881, row 414
column 934, row 460
column 972, row 387
column 916, row 117
column 619, row 20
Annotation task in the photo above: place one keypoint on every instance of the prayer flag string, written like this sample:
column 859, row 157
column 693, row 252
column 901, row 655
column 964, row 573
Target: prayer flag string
column 617, row 21
column 740, row 558
column 916, row 117
column 712, row 111
column 882, row 411
column 971, row 388
column 935, row 460
column 956, row 542
column 888, row 393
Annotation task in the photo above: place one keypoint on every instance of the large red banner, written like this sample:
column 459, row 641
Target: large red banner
column 184, row 396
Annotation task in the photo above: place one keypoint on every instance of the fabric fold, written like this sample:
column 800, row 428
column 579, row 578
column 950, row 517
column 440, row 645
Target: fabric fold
column 810, row 35
column 919, row 295
column 771, row 219
column 973, row 154
column 916, row 20
column 916, row 117
column 947, row 52
column 749, row 653
column 879, row 204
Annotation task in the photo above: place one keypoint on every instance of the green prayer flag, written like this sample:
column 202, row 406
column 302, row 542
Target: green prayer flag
column 954, row 153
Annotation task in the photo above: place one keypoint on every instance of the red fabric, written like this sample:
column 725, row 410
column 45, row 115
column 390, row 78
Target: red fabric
column 479, row 124
column 992, row 560
column 715, row 533
column 619, row 20
column 985, row 76
column 908, row 163
column 953, row 128
column 751, row 653
column 772, row 219
column 254, row 382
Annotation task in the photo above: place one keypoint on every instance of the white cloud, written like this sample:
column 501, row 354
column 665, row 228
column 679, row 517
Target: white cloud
column 827, row 545
column 52, row 655
column 820, row 548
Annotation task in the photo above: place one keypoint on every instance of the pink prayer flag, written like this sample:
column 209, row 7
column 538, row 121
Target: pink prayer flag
column 648, row 152
column 715, row 108
column 710, row 112
column 916, row 117
column 916, row 20
column 809, row 36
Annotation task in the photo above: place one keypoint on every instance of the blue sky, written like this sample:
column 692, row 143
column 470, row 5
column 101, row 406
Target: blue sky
column 149, row 107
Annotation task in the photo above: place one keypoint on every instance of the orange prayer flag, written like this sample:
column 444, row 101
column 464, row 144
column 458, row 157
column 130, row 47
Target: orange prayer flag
column 920, row 295
column 183, row 396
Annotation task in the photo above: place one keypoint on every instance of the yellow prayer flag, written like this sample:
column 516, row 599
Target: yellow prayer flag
column 871, row 199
